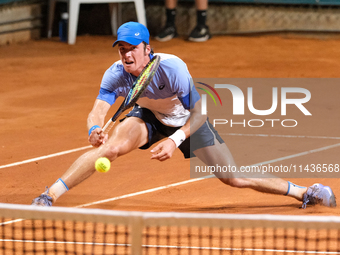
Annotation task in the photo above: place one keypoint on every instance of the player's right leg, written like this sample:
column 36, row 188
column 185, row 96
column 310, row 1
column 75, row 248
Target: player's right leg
column 130, row 134
column 217, row 153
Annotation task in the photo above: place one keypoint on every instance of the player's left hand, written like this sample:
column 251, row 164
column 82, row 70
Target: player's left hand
column 163, row 150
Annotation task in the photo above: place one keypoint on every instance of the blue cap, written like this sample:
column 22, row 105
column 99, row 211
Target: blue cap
column 133, row 33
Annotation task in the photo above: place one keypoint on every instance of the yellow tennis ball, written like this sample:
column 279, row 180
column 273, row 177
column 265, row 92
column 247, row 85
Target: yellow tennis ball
column 102, row 165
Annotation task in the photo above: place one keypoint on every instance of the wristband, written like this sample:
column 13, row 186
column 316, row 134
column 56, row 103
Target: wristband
column 93, row 128
column 178, row 137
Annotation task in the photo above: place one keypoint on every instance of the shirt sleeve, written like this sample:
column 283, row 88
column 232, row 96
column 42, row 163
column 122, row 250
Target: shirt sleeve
column 113, row 84
column 181, row 82
column 107, row 96
column 190, row 99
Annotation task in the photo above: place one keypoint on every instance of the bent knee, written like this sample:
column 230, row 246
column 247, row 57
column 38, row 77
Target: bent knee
column 111, row 152
column 234, row 182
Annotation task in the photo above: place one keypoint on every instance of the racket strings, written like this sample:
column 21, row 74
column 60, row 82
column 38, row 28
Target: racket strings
column 139, row 85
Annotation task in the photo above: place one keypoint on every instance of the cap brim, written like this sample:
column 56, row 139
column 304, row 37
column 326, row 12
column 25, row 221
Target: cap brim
column 130, row 40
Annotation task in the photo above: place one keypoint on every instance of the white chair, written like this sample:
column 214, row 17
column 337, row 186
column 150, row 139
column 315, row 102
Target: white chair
column 73, row 10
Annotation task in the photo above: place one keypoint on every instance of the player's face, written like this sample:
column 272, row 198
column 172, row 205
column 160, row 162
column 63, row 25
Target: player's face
column 134, row 57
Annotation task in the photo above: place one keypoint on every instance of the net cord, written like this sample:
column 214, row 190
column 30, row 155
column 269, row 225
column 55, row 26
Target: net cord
column 169, row 218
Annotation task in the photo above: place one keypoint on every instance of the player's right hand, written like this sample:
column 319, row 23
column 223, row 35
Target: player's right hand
column 97, row 137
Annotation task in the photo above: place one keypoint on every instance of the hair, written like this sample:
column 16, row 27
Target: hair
column 145, row 44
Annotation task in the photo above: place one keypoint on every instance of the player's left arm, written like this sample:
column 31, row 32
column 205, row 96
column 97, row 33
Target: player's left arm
column 166, row 148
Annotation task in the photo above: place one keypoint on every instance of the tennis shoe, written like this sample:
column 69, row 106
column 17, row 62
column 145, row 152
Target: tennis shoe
column 167, row 34
column 319, row 194
column 200, row 34
column 42, row 200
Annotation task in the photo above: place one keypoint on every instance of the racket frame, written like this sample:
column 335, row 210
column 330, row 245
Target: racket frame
column 124, row 106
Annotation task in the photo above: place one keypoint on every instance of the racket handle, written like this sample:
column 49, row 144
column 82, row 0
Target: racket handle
column 108, row 126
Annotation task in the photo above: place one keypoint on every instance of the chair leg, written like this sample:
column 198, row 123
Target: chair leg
column 140, row 10
column 51, row 10
column 73, row 21
column 114, row 17
column 119, row 15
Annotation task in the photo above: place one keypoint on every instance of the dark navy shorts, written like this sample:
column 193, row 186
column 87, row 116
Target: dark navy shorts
column 203, row 137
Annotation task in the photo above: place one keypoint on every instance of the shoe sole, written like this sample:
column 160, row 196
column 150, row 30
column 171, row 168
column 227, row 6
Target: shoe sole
column 201, row 39
column 165, row 39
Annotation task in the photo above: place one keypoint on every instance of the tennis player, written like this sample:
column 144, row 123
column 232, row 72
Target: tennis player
column 169, row 110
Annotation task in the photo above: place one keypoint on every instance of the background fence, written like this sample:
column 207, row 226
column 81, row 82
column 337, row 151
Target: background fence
column 25, row 19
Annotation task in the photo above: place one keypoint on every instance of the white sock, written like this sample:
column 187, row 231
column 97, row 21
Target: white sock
column 295, row 191
column 57, row 189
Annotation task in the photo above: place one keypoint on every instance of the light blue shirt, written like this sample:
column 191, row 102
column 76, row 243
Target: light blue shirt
column 169, row 95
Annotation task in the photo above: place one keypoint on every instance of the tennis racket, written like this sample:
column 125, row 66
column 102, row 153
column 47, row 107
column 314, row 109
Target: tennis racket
column 138, row 87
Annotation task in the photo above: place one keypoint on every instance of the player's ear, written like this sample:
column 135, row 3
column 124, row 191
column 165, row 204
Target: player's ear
column 147, row 49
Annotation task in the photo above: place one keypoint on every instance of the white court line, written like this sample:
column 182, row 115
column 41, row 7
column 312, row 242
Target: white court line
column 143, row 192
column 284, row 136
column 299, row 154
column 10, row 222
column 89, row 146
column 45, row 157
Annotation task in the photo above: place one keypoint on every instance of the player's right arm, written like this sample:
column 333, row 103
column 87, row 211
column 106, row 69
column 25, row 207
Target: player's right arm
column 112, row 81
column 95, row 122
